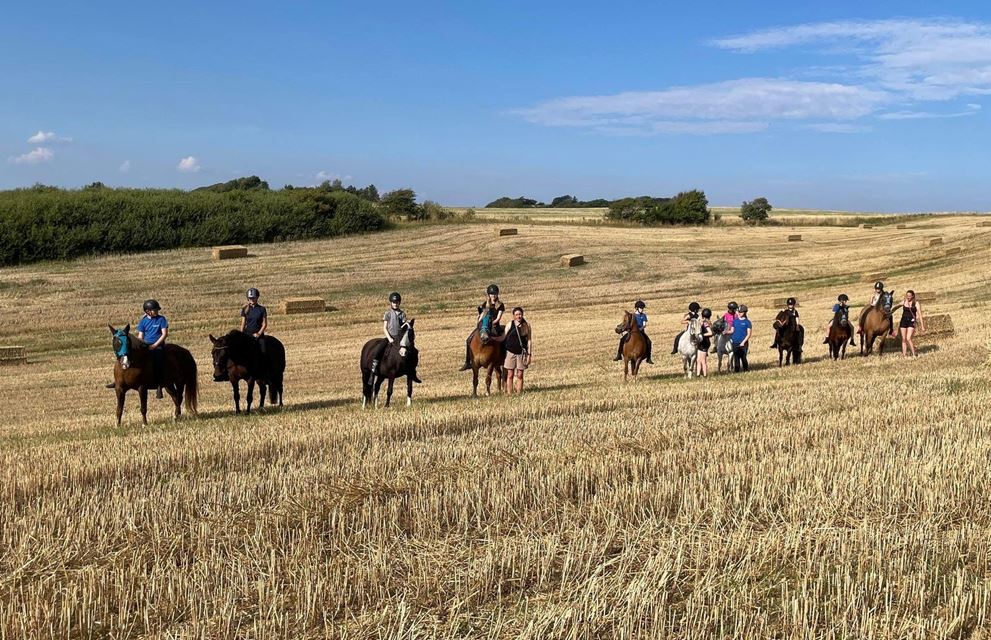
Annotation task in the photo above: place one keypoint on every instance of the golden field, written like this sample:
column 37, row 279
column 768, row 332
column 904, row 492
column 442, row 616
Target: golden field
column 830, row 499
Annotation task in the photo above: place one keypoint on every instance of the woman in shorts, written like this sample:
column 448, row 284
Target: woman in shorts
column 911, row 320
column 519, row 351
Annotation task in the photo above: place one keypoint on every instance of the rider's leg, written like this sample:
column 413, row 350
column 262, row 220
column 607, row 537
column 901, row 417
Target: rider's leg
column 619, row 351
column 677, row 339
column 157, row 366
column 650, row 349
column 377, row 359
column 467, row 364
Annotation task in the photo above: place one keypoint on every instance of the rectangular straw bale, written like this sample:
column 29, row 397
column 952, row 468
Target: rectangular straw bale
column 866, row 226
column 940, row 324
column 572, row 260
column 953, row 250
column 935, row 242
column 304, row 305
column 230, row 252
column 13, row 355
column 899, row 226
column 795, row 238
column 508, row 232
column 984, row 223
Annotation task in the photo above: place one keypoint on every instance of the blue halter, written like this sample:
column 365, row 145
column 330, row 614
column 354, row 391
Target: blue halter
column 124, row 343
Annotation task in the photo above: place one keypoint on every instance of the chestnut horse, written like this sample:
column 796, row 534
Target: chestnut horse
column 635, row 347
column 134, row 371
column 876, row 322
column 840, row 332
column 487, row 353
column 790, row 338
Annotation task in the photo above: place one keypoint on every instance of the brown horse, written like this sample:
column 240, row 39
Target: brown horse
column 134, row 370
column 840, row 332
column 635, row 347
column 238, row 356
column 488, row 354
column 790, row 337
column 876, row 322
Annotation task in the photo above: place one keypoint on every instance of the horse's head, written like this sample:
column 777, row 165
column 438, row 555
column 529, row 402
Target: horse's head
column 221, row 358
column 626, row 324
column 695, row 331
column 408, row 339
column 122, row 345
column 842, row 317
column 886, row 301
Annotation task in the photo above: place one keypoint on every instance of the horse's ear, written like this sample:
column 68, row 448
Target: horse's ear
column 412, row 321
column 127, row 328
column 212, row 339
column 112, row 330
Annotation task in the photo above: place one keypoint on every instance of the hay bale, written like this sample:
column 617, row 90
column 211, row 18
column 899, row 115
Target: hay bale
column 508, row 232
column 13, row 355
column 783, row 302
column 230, row 252
column 950, row 251
column 935, row 242
column 939, row 324
column 900, row 226
column 795, row 238
column 984, row 223
column 572, row 260
column 866, row 226
column 304, row 305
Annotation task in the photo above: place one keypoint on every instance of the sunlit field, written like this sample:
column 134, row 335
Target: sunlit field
column 829, row 499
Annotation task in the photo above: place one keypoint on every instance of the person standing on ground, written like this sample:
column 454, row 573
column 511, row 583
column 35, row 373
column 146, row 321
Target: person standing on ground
column 742, row 330
column 911, row 320
column 702, row 360
column 519, row 351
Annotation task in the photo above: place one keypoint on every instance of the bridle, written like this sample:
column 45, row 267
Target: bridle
column 124, row 350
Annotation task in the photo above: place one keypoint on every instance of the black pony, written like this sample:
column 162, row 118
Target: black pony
column 840, row 333
column 400, row 359
column 790, row 338
column 238, row 356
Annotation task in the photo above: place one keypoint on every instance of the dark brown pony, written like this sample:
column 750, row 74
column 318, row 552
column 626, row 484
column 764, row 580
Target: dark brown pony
column 840, row 332
column 398, row 360
column 488, row 354
column 134, row 371
column 237, row 356
column 635, row 348
column 790, row 338
column 876, row 322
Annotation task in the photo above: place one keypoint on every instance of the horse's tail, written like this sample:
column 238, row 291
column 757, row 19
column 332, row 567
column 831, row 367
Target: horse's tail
column 276, row 369
column 192, row 387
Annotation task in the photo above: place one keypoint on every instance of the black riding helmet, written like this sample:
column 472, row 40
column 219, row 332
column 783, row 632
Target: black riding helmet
column 694, row 307
column 732, row 306
column 152, row 305
column 843, row 297
column 879, row 286
column 492, row 290
column 395, row 297
column 706, row 313
column 791, row 302
column 252, row 293
column 639, row 304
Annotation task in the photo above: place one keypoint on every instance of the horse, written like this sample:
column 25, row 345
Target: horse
column 488, row 353
column 238, row 356
column 724, row 342
column 635, row 347
column 395, row 363
column 134, row 370
column 688, row 346
column 876, row 322
column 790, row 337
column 840, row 332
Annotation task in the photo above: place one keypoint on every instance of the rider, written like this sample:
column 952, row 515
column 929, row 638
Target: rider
column 841, row 303
column 254, row 318
column 790, row 310
column 875, row 296
column 489, row 318
column 392, row 326
column 693, row 313
column 153, row 329
column 640, row 317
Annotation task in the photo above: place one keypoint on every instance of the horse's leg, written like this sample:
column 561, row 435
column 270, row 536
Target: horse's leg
column 236, row 385
column 376, row 388
column 121, row 392
column 488, row 380
column 409, row 390
column 143, row 394
column 474, row 382
column 176, row 394
column 261, row 395
column 388, row 391
column 251, row 391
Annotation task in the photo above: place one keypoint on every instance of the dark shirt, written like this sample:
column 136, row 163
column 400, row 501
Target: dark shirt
column 253, row 317
column 492, row 311
column 517, row 338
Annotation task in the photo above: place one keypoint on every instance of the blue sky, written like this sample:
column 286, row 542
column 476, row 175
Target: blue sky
column 866, row 106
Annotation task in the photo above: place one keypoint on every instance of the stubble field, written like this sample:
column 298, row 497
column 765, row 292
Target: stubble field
column 826, row 500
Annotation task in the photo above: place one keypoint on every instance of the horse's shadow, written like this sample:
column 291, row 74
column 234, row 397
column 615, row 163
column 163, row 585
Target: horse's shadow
column 311, row 405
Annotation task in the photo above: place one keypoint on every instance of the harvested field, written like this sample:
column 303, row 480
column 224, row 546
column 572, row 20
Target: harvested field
column 844, row 499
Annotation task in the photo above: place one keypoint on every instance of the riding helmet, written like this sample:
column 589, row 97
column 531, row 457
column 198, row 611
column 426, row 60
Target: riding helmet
column 879, row 286
column 252, row 293
column 743, row 308
column 706, row 313
column 791, row 302
column 694, row 307
column 639, row 304
column 732, row 306
column 395, row 297
column 152, row 305
column 493, row 290
column 843, row 297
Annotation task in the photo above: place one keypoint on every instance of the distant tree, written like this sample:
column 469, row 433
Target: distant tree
column 755, row 211
column 433, row 211
column 565, row 201
column 94, row 186
column 401, row 203
column 513, row 203
column 249, row 183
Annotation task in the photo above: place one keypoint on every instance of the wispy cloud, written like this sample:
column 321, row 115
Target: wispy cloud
column 47, row 136
column 883, row 68
column 189, row 164
column 37, row 156
column 326, row 175
column 125, row 167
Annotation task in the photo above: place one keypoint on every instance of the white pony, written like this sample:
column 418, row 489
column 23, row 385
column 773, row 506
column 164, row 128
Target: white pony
column 724, row 347
column 688, row 346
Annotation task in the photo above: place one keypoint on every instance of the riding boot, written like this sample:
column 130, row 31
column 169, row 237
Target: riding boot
column 853, row 343
column 825, row 340
column 467, row 364
column 619, row 350
column 111, row 385
column 650, row 350
column 674, row 349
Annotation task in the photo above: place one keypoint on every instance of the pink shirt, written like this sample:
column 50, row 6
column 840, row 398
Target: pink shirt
column 728, row 318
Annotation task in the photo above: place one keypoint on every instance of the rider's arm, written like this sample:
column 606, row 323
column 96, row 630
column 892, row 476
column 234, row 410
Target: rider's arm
column 684, row 320
column 158, row 343
column 261, row 331
column 385, row 331
column 498, row 318
column 244, row 319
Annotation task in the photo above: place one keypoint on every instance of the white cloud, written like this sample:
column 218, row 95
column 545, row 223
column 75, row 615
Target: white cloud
column 836, row 127
column 922, row 115
column 41, row 154
column 125, row 166
column 189, row 164
column 47, row 136
column 326, row 175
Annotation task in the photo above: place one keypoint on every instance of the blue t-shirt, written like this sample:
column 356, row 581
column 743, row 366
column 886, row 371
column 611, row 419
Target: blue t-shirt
column 836, row 307
column 641, row 319
column 151, row 328
column 740, row 327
